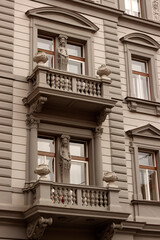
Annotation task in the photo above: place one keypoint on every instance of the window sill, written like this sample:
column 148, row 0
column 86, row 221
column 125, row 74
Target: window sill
column 143, row 106
column 145, row 202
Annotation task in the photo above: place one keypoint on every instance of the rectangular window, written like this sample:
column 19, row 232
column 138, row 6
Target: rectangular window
column 148, row 175
column 140, row 79
column 133, row 7
column 46, row 155
column 47, row 45
column 76, row 58
column 79, row 163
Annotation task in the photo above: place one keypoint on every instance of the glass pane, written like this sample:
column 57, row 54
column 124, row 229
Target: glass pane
column 143, row 183
column 141, row 86
column 135, row 8
column 152, row 184
column 77, row 149
column 74, row 50
column 50, row 162
column 75, row 67
column 45, row 43
column 46, row 145
column 146, row 159
column 50, row 62
column 139, row 66
column 78, row 173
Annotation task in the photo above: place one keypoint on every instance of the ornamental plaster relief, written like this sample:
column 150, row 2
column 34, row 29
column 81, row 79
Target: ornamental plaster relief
column 156, row 10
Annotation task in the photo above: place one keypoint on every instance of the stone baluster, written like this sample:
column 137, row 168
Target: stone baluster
column 98, row 157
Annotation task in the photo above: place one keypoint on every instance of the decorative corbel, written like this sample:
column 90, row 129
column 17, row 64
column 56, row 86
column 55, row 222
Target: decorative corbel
column 108, row 232
column 132, row 106
column 35, row 229
column 102, row 116
column 38, row 105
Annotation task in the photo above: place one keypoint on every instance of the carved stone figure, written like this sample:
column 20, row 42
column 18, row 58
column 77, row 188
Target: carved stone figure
column 65, row 161
column 62, row 53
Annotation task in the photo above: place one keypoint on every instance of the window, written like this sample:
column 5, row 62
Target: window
column 76, row 58
column 140, row 53
column 79, row 159
column 132, row 7
column 46, row 154
column 76, row 61
column 148, row 175
column 47, row 45
column 140, row 78
column 79, row 163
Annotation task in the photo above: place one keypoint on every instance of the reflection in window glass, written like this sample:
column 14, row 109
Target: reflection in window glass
column 46, row 145
column 75, row 50
column 46, row 44
column 77, row 149
column 75, row 67
column 78, row 173
column 132, row 7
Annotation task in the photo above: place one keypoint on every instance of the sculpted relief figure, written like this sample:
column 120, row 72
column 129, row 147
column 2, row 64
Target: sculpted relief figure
column 65, row 161
column 62, row 53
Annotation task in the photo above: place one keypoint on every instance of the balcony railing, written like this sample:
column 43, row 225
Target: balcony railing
column 72, row 196
column 69, row 82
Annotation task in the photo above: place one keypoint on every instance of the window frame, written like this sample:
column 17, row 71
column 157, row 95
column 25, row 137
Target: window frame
column 146, row 74
column 144, row 138
column 82, row 159
column 154, row 168
column 79, row 135
column 80, row 35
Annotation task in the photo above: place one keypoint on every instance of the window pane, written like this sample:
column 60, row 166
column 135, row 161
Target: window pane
column 77, row 149
column 152, row 184
column 136, row 8
column 46, row 145
column 139, row 66
column 75, row 67
column 45, row 43
column 146, row 159
column 141, row 86
column 143, row 183
column 78, row 173
column 74, row 50
column 50, row 162
column 50, row 62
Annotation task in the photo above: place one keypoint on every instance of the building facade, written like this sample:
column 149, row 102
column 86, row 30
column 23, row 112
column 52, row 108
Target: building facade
column 80, row 119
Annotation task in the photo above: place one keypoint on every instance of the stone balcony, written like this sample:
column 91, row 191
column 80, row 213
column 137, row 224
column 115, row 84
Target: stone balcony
column 73, row 203
column 68, row 94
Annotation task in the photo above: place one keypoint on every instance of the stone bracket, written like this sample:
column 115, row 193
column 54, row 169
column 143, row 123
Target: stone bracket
column 108, row 232
column 35, row 229
column 102, row 116
column 37, row 106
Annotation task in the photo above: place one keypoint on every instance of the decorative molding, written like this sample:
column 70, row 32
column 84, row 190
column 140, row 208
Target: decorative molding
column 102, row 116
column 155, row 10
column 147, row 131
column 141, row 39
column 31, row 121
column 143, row 106
column 35, row 229
column 49, row 13
column 98, row 131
